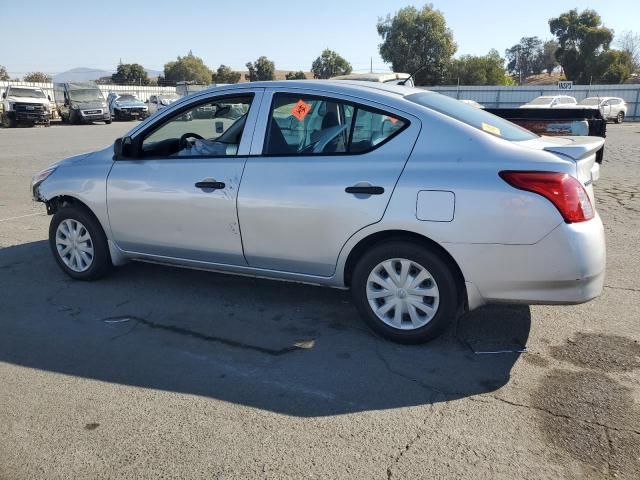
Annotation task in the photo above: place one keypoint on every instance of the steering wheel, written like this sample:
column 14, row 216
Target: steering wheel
column 183, row 139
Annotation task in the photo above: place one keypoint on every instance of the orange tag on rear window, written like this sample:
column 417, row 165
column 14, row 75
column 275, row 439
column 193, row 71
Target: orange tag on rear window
column 393, row 120
column 301, row 109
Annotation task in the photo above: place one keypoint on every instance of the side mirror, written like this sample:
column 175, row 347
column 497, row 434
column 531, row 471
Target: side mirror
column 4, row 95
column 49, row 97
column 123, row 148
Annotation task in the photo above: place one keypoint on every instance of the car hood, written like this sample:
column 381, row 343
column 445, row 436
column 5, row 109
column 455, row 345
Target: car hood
column 129, row 104
column 35, row 101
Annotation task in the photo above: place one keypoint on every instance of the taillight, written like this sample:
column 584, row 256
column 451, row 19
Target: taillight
column 564, row 191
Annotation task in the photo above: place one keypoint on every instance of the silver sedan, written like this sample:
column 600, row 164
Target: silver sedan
column 423, row 206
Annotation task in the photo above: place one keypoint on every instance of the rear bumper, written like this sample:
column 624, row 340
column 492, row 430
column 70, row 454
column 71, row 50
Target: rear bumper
column 565, row 267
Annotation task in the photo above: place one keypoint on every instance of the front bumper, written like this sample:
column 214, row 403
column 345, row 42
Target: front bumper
column 94, row 115
column 565, row 267
column 130, row 113
column 31, row 117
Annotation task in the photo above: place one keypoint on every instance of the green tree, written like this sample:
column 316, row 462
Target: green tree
column 187, row 69
column 299, row 75
column 414, row 38
column 582, row 38
column 630, row 42
column 4, row 75
column 330, row 64
column 261, row 69
column 616, row 65
column 130, row 74
column 526, row 57
column 549, row 60
column 477, row 70
column 38, row 77
column 225, row 74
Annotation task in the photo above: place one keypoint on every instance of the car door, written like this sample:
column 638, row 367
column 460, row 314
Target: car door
column 322, row 167
column 175, row 196
column 606, row 109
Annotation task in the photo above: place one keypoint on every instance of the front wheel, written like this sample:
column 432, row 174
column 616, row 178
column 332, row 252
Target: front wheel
column 405, row 292
column 7, row 121
column 79, row 244
column 620, row 117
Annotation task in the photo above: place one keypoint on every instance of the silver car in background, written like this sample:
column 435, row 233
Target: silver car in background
column 612, row 108
column 423, row 206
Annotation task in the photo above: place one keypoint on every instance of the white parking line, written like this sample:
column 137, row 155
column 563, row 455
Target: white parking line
column 21, row 216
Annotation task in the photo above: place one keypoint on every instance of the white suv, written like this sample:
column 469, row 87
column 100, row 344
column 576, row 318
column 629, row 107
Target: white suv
column 612, row 108
column 551, row 101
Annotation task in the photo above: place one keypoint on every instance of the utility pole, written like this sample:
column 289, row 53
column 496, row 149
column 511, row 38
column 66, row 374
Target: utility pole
column 371, row 68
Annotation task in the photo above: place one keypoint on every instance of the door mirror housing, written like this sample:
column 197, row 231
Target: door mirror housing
column 123, row 148
column 4, row 95
column 49, row 97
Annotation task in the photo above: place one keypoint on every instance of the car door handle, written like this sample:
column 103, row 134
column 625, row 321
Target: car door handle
column 365, row 189
column 210, row 185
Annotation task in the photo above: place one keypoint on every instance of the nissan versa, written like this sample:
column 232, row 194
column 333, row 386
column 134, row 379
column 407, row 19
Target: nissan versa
column 423, row 206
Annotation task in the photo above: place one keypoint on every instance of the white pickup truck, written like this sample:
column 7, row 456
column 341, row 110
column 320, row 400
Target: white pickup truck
column 27, row 105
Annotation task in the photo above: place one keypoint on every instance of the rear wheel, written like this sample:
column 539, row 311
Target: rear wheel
column 79, row 244
column 405, row 292
column 620, row 117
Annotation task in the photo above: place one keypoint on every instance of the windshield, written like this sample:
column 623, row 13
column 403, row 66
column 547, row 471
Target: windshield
column 127, row 98
column 590, row 101
column 541, row 101
column 26, row 92
column 86, row 95
column 473, row 116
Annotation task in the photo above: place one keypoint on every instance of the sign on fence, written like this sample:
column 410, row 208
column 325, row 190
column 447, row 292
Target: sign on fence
column 565, row 85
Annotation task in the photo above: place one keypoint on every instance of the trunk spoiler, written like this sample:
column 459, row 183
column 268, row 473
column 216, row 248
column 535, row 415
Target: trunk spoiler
column 576, row 148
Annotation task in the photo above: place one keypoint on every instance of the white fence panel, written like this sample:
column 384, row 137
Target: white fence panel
column 143, row 92
column 513, row 97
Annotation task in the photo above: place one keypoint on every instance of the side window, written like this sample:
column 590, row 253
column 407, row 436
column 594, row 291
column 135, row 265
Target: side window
column 303, row 125
column 210, row 129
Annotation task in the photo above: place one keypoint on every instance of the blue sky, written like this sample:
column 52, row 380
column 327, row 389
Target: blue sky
column 235, row 32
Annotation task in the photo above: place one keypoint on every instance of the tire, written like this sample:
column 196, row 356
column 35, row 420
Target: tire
column 416, row 326
column 107, row 122
column 620, row 117
column 73, row 218
column 7, row 121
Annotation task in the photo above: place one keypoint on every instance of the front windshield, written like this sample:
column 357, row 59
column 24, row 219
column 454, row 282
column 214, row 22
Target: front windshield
column 590, row 101
column 473, row 116
column 86, row 95
column 541, row 101
column 127, row 98
column 26, row 92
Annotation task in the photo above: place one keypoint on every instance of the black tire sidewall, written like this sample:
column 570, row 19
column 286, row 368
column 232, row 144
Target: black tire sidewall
column 101, row 260
column 439, row 269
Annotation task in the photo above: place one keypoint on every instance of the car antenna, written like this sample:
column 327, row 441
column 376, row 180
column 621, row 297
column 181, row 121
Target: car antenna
column 413, row 74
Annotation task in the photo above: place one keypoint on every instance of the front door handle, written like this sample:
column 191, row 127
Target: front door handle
column 365, row 190
column 210, row 185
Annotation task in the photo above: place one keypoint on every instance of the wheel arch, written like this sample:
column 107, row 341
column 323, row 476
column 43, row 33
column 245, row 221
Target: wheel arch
column 384, row 236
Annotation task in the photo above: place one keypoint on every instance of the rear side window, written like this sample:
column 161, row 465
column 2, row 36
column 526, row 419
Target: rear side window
column 475, row 117
column 304, row 125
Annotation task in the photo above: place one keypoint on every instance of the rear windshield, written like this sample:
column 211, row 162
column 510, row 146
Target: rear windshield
column 473, row 116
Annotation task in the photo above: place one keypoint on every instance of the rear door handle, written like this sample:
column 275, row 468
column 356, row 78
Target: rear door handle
column 210, row 185
column 365, row 189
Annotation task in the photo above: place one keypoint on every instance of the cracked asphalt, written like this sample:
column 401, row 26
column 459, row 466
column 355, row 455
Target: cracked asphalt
column 156, row 372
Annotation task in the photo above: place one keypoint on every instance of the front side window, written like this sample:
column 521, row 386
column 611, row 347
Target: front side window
column 305, row 125
column 210, row 129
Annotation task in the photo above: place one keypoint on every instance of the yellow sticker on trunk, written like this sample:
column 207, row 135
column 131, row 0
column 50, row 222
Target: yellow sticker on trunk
column 490, row 128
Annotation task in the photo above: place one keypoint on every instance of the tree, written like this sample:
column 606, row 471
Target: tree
column 225, row 74
column 582, row 39
column 4, row 75
column 330, row 64
column 261, row 69
column 299, row 75
column 37, row 77
column 187, row 69
column 616, row 66
column 130, row 74
column 477, row 70
column 526, row 57
column 549, row 60
column 414, row 38
column 630, row 42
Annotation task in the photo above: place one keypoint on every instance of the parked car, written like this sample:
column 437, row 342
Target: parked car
column 554, row 101
column 80, row 103
column 126, row 106
column 612, row 108
column 158, row 102
column 341, row 184
column 26, row 105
